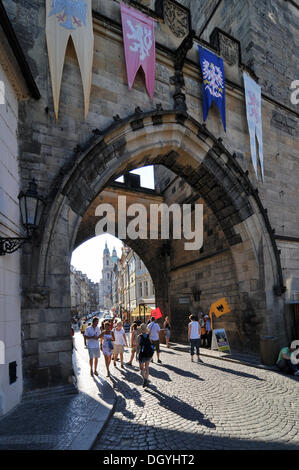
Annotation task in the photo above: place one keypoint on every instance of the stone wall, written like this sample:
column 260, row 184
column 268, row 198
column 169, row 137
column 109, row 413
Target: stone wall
column 268, row 34
column 50, row 150
column 10, row 289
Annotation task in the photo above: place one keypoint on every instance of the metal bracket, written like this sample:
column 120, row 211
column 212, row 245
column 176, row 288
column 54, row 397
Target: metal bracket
column 10, row 245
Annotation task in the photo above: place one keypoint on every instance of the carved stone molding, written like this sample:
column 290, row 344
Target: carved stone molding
column 178, row 79
column 177, row 18
column 228, row 47
column 36, row 297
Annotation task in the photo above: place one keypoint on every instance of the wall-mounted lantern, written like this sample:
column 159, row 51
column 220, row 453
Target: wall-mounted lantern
column 31, row 207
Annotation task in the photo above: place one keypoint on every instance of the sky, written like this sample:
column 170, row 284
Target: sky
column 88, row 257
column 147, row 176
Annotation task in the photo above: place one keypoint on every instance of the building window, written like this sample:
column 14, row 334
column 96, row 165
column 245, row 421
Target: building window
column 153, row 289
column 140, row 289
column 107, row 262
column 108, row 276
column 12, row 372
column 146, row 289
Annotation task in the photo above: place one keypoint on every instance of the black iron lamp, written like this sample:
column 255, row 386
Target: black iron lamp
column 31, row 207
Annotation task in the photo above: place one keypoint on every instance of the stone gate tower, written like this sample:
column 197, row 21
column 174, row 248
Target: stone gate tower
column 251, row 246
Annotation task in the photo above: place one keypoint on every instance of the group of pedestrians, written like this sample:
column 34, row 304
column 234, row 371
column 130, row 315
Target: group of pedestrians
column 112, row 341
column 112, row 337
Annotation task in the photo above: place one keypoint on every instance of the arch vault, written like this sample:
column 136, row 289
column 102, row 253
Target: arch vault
column 180, row 143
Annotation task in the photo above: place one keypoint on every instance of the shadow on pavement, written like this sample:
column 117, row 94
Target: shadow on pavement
column 159, row 374
column 167, row 351
column 130, row 375
column 231, row 371
column 182, row 372
column 173, row 439
column 287, row 376
column 179, row 407
column 124, row 389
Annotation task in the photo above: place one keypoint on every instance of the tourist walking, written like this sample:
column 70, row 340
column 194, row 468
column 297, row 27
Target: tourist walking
column 208, row 327
column 154, row 330
column 203, row 332
column 144, row 352
column 107, row 336
column 194, row 331
column 120, row 342
column 83, row 328
column 92, row 335
column 134, row 335
column 166, row 326
column 127, row 328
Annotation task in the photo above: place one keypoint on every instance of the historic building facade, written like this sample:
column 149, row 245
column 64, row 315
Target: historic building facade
column 132, row 286
column 84, row 294
column 250, row 244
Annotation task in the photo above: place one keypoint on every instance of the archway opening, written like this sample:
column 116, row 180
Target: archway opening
column 190, row 151
column 187, row 281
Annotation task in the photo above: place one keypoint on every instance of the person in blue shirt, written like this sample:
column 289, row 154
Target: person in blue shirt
column 207, row 321
column 127, row 328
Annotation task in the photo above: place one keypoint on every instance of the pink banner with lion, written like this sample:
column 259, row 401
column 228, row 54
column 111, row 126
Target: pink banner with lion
column 139, row 43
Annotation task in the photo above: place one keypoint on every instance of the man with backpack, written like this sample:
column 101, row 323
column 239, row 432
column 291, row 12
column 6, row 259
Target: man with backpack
column 144, row 353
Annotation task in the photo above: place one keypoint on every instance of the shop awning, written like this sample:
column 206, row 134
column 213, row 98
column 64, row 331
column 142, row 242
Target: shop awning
column 140, row 313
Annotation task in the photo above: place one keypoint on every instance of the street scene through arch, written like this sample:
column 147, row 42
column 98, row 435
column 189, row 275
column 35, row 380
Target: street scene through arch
column 110, row 283
column 92, row 94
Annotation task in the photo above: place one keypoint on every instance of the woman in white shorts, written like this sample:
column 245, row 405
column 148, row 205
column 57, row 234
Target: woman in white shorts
column 119, row 343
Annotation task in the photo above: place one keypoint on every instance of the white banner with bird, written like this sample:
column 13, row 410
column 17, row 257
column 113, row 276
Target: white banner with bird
column 65, row 19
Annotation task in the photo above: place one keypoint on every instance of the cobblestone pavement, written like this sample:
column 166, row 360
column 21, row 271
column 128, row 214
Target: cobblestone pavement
column 191, row 406
column 60, row 418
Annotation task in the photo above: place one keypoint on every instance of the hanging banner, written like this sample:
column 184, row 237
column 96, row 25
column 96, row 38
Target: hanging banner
column 213, row 82
column 139, row 43
column 156, row 313
column 65, row 19
column 253, row 96
column 219, row 308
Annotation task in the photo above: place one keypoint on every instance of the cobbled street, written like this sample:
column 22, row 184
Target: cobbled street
column 191, row 406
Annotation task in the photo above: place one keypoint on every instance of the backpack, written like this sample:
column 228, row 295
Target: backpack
column 146, row 347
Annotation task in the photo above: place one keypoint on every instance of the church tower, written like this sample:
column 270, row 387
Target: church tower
column 106, row 280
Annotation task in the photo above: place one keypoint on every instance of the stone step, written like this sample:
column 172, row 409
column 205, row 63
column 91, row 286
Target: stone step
column 50, row 393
